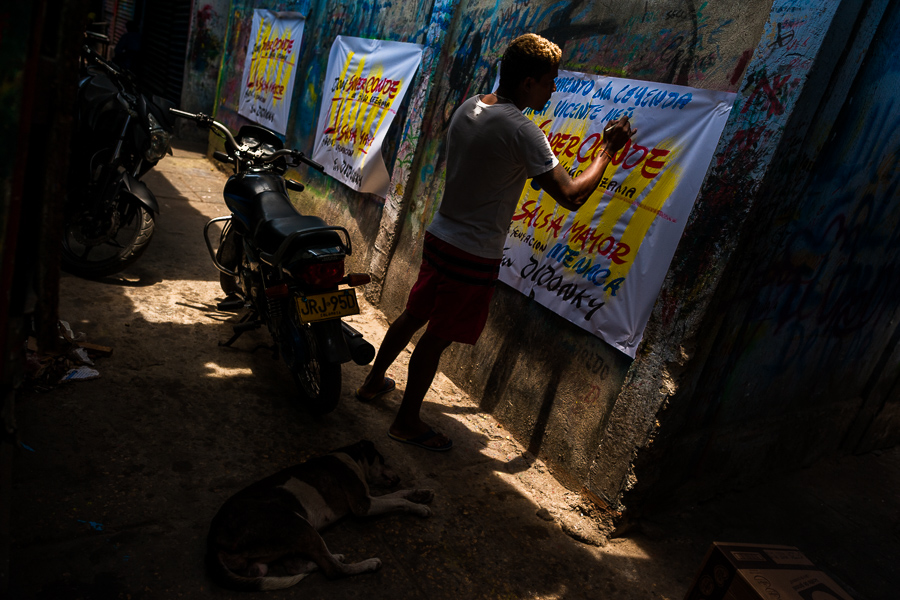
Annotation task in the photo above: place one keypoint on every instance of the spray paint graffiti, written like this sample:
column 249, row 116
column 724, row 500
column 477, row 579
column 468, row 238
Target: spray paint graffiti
column 439, row 23
column 823, row 293
column 671, row 54
column 482, row 36
column 832, row 282
column 774, row 77
column 206, row 48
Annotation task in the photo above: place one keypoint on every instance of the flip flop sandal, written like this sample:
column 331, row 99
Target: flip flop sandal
column 387, row 387
column 421, row 439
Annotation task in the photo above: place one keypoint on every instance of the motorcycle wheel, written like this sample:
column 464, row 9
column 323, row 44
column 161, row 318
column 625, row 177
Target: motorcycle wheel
column 229, row 254
column 318, row 381
column 91, row 254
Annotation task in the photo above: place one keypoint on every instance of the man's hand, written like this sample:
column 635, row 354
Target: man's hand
column 573, row 193
column 616, row 135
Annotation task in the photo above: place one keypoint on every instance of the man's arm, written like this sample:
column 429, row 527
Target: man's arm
column 573, row 193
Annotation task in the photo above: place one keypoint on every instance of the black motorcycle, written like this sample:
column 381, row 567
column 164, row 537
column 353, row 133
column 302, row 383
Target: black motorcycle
column 285, row 268
column 121, row 133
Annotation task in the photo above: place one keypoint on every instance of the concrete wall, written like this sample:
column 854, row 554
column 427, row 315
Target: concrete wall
column 762, row 292
column 798, row 356
column 203, row 61
column 779, row 78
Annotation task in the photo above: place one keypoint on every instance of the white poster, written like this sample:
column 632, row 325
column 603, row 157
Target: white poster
column 270, row 68
column 365, row 83
column 602, row 267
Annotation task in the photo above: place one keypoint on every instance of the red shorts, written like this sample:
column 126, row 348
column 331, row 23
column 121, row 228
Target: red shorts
column 453, row 292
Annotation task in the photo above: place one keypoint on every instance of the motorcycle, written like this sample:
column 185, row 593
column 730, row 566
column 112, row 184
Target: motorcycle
column 121, row 133
column 286, row 269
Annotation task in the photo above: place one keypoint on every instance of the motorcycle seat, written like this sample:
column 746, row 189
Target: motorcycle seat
column 276, row 219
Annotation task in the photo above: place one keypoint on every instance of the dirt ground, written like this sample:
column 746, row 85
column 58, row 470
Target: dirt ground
column 117, row 478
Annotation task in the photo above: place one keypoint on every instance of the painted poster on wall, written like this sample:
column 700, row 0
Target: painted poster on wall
column 365, row 84
column 271, row 67
column 602, row 267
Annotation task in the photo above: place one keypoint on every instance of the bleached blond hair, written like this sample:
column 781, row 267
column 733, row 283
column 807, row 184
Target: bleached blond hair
column 529, row 55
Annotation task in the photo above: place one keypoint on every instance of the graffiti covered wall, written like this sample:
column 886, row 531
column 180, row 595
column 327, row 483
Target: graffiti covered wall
column 326, row 19
column 799, row 349
column 203, row 61
column 777, row 72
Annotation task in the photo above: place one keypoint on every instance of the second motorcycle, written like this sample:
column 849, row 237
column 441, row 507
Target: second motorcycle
column 121, row 133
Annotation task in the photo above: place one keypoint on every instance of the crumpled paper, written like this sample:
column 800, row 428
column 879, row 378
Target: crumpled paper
column 80, row 374
column 70, row 363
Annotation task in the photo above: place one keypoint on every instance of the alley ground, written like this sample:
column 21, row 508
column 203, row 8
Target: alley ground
column 117, row 478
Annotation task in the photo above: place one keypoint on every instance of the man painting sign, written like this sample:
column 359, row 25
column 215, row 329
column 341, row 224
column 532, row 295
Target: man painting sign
column 493, row 149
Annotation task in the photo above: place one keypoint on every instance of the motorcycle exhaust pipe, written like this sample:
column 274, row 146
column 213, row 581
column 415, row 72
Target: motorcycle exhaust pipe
column 361, row 351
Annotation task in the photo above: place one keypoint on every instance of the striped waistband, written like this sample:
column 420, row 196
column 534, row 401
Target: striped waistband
column 458, row 264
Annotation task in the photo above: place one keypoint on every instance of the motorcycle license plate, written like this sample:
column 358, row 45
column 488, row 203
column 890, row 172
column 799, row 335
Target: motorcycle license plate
column 321, row 307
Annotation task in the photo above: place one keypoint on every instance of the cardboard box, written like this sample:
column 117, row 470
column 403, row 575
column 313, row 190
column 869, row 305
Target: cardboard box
column 761, row 572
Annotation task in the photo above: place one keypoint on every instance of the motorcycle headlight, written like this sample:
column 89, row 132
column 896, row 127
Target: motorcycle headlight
column 159, row 140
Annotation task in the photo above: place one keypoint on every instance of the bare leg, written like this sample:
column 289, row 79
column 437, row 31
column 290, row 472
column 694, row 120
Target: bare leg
column 395, row 340
column 423, row 365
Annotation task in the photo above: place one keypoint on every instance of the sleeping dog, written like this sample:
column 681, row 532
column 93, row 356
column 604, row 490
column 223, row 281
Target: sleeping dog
column 266, row 537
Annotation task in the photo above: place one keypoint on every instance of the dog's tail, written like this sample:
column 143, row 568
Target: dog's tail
column 227, row 578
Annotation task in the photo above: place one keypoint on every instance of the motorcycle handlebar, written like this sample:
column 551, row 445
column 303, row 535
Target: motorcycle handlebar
column 295, row 154
column 207, row 121
column 232, row 145
column 302, row 157
column 103, row 63
column 222, row 157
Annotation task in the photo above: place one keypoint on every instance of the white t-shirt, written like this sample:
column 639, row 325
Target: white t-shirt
column 492, row 150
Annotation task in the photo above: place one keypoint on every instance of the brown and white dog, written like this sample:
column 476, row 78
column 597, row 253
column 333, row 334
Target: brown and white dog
column 265, row 537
